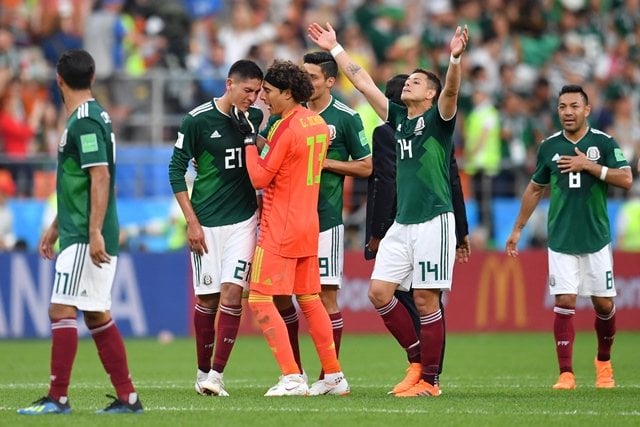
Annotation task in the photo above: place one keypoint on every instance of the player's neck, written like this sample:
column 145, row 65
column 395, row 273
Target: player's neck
column 577, row 135
column 72, row 99
column 417, row 109
column 319, row 104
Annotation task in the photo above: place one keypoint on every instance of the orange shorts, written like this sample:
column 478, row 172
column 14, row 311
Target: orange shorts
column 272, row 274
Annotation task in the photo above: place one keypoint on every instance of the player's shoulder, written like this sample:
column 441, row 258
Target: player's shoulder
column 341, row 108
column 597, row 133
column 256, row 112
column 89, row 114
column 200, row 110
column 552, row 138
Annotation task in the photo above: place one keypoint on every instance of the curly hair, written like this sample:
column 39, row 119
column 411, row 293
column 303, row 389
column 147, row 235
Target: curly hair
column 287, row 75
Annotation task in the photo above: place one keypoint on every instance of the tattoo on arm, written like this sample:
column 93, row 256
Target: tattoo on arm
column 353, row 69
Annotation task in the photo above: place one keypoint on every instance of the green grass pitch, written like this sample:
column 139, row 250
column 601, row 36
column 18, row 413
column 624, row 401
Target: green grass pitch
column 489, row 380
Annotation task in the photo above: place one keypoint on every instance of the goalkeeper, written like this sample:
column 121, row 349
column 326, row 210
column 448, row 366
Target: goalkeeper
column 220, row 214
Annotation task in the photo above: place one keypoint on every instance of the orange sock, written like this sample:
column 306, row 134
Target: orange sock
column 321, row 331
column 274, row 330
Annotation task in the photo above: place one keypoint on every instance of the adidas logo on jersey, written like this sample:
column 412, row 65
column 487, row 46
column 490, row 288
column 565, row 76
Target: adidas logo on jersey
column 555, row 158
column 215, row 134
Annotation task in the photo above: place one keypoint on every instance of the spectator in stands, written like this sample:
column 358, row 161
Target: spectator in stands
column 482, row 154
column 17, row 131
column 7, row 236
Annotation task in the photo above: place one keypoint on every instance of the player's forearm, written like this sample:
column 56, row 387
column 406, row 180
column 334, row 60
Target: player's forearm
column 182, row 197
column 259, row 176
column 530, row 199
column 357, row 168
column 100, row 181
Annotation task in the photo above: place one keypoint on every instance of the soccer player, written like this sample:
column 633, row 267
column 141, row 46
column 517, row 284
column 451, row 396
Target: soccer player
column 381, row 210
column 577, row 164
column 346, row 141
column 221, row 217
column 286, row 257
column 424, row 128
column 87, row 225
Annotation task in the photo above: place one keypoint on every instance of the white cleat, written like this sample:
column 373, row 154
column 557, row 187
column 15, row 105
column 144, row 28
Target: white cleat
column 210, row 384
column 337, row 386
column 289, row 385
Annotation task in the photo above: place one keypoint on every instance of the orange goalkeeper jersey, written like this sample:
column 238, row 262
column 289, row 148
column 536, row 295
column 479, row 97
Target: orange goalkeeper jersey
column 288, row 169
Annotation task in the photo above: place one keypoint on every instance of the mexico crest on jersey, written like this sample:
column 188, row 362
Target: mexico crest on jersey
column 593, row 153
column 332, row 133
column 419, row 125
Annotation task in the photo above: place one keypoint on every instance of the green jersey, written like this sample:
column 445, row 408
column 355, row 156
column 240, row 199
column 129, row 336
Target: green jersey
column 423, row 153
column 87, row 141
column 222, row 192
column 578, row 221
column 347, row 140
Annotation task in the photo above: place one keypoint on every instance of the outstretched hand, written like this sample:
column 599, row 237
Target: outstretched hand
column 324, row 38
column 459, row 41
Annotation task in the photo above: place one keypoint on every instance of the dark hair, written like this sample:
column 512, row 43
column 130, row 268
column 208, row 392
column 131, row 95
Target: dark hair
column 324, row 60
column 394, row 87
column 76, row 67
column 574, row 89
column 287, row 75
column 245, row 69
column 433, row 78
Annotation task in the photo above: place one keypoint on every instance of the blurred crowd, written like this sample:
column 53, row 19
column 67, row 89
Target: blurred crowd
column 521, row 53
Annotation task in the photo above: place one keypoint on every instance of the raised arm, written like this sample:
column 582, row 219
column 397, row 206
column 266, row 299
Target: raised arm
column 326, row 39
column 448, row 100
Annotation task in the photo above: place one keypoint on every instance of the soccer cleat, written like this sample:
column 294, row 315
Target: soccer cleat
column 604, row 374
column 566, row 381
column 338, row 387
column 414, row 373
column 215, row 384
column 289, row 385
column 120, row 407
column 46, row 405
column 423, row 388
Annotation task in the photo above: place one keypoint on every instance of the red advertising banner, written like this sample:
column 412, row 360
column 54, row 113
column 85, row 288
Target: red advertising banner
column 493, row 292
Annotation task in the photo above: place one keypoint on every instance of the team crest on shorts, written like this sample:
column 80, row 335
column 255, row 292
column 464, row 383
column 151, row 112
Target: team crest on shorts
column 207, row 280
column 593, row 153
column 552, row 280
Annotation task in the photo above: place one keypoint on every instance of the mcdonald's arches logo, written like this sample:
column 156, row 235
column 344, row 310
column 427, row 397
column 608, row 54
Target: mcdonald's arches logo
column 504, row 276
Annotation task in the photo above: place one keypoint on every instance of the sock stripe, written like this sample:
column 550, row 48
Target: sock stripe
column 232, row 311
column 431, row 318
column 292, row 318
column 260, row 298
column 607, row 316
column 307, row 298
column 204, row 310
column 65, row 323
column 565, row 311
column 337, row 324
column 385, row 309
column 104, row 327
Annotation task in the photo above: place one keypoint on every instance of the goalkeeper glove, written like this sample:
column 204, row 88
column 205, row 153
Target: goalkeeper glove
column 241, row 122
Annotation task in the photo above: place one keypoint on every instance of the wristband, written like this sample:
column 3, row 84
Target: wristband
column 336, row 50
column 454, row 60
column 603, row 173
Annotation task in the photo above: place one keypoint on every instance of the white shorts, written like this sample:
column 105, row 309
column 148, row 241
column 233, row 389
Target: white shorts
column 229, row 258
column 331, row 256
column 419, row 256
column 584, row 274
column 80, row 283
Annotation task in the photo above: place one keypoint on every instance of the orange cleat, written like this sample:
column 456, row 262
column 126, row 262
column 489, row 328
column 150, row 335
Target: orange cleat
column 414, row 372
column 421, row 389
column 604, row 374
column 566, row 381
